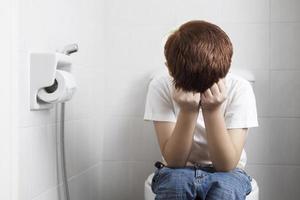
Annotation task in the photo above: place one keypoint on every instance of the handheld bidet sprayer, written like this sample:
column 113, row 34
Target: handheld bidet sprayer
column 68, row 50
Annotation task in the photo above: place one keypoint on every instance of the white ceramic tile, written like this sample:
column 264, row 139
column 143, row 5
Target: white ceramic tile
column 50, row 194
column 38, row 160
column 136, row 12
column 81, row 23
column 86, row 185
column 258, row 144
column 25, row 160
column 285, row 93
column 276, row 182
column 208, row 10
column 285, row 10
column 285, row 141
column 125, row 93
column 129, row 138
column 83, row 145
column 133, row 48
column 284, row 45
column 44, row 160
column 276, row 141
column 96, row 140
column 250, row 45
column 244, row 11
column 144, row 146
column 46, row 31
column 139, row 173
column 116, row 180
column 98, row 93
column 6, row 99
column 117, row 138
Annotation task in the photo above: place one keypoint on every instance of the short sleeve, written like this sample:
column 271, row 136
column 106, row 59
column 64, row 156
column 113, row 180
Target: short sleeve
column 241, row 110
column 159, row 106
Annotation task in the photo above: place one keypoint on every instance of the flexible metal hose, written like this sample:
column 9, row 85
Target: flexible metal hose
column 63, row 153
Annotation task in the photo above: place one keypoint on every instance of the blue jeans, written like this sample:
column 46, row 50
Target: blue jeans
column 202, row 183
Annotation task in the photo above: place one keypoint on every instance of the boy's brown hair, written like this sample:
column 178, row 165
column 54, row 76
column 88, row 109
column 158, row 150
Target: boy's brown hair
column 197, row 55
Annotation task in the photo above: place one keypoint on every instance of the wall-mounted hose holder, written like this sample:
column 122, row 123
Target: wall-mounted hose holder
column 43, row 67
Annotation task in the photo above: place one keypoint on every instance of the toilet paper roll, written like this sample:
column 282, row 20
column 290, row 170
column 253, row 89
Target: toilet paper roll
column 66, row 87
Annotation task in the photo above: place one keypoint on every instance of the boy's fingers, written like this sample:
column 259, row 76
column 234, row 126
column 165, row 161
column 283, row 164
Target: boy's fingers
column 221, row 85
column 215, row 89
column 208, row 93
column 202, row 97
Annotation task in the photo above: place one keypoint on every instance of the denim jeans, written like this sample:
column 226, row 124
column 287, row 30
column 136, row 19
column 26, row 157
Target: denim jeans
column 203, row 183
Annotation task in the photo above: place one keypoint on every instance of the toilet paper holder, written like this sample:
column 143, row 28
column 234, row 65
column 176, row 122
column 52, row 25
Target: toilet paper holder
column 43, row 67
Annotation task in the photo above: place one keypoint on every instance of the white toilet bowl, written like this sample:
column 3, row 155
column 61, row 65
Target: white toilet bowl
column 149, row 195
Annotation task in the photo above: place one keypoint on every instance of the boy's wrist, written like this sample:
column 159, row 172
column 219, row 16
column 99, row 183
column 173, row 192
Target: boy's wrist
column 189, row 111
column 214, row 110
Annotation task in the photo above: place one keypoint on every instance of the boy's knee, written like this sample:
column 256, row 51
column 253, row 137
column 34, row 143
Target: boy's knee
column 225, row 193
column 172, row 184
column 230, row 185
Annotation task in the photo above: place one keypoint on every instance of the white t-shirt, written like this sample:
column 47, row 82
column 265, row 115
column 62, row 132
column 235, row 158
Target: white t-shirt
column 239, row 111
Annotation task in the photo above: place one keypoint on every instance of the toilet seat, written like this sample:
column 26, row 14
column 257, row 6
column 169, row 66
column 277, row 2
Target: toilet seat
column 149, row 195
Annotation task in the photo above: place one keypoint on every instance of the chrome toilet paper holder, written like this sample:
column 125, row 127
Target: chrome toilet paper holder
column 43, row 67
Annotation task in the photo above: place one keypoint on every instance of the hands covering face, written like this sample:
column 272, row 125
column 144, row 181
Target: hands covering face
column 187, row 101
column 214, row 96
column 211, row 99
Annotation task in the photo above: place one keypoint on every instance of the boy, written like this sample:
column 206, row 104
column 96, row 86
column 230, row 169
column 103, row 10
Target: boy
column 201, row 114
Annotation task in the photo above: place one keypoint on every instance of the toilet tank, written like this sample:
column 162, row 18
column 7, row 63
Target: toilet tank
column 246, row 74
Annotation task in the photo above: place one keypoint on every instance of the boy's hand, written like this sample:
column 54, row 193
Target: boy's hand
column 214, row 96
column 187, row 101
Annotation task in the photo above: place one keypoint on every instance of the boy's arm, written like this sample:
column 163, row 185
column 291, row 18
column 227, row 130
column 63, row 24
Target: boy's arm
column 225, row 146
column 176, row 139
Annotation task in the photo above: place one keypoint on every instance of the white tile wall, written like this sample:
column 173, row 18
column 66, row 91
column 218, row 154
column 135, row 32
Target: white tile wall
column 284, row 51
column 83, row 141
column 50, row 194
column 268, row 144
column 135, row 13
column 6, row 79
column 110, row 150
column 244, row 11
column 116, row 180
column 127, row 139
column 37, row 160
column 88, row 184
column 276, row 181
column 208, row 10
column 124, row 180
column 285, row 11
column 285, row 94
column 124, row 41
column 262, row 92
column 45, row 26
column 250, row 43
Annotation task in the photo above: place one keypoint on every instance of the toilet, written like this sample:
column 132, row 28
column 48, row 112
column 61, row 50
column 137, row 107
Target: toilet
column 149, row 195
column 254, row 194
